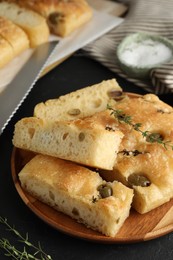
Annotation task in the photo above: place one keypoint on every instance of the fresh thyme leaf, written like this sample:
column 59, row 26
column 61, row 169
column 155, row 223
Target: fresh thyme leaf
column 14, row 253
column 137, row 126
column 153, row 137
column 131, row 153
column 150, row 137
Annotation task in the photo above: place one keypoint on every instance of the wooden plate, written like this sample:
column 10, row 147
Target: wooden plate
column 137, row 227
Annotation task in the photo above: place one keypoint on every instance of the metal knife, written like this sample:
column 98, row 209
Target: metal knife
column 15, row 93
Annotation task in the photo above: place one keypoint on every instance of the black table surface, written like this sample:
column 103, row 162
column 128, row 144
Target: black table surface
column 75, row 73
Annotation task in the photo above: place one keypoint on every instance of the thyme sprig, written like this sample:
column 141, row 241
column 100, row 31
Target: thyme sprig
column 150, row 137
column 14, row 253
column 131, row 153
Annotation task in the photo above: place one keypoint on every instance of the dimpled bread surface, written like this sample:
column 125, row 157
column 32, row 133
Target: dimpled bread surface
column 86, row 141
column 14, row 35
column 32, row 23
column 139, row 157
column 80, row 103
column 74, row 190
column 63, row 17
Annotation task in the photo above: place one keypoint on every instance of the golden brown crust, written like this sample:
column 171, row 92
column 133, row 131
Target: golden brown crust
column 74, row 190
column 84, row 141
column 66, row 175
column 140, row 157
column 78, row 104
column 6, row 53
column 151, row 112
column 62, row 16
column 15, row 36
column 33, row 24
column 45, row 7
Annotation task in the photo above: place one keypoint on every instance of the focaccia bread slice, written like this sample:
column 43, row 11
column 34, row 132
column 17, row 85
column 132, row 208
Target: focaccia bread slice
column 145, row 163
column 149, row 173
column 78, row 192
column 154, row 115
column 6, row 53
column 31, row 22
column 86, row 141
column 63, row 17
column 80, row 103
column 14, row 35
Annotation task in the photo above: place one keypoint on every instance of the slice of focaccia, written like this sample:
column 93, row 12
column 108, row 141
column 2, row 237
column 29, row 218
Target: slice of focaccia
column 31, row 22
column 81, row 103
column 6, row 54
column 15, row 36
column 63, row 16
column 86, row 141
column 145, row 162
column 78, row 192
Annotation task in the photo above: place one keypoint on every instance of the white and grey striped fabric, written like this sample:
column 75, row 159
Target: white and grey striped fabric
column 151, row 16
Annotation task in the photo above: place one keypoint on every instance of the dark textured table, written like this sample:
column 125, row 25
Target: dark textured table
column 75, row 73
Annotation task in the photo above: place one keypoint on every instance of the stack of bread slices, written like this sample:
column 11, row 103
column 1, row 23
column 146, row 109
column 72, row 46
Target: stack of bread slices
column 25, row 24
column 93, row 166
column 20, row 29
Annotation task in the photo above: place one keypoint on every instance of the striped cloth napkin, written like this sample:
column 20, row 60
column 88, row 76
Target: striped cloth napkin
column 155, row 17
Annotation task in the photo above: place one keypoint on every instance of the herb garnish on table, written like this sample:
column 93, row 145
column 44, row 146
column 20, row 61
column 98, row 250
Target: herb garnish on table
column 29, row 250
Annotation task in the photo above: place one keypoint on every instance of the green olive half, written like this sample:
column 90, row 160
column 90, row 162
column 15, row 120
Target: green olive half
column 55, row 17
column 105, row 191
column 138, row 180
column 116, row 94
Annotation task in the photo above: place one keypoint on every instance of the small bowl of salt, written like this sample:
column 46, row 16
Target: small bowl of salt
column 140, row 52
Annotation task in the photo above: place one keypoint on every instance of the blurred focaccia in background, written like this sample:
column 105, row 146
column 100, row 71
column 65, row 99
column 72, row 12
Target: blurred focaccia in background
column 63, row 16
column 13, row 41
column 32, row 23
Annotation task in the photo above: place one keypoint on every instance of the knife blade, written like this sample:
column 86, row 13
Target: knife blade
column 15, row 93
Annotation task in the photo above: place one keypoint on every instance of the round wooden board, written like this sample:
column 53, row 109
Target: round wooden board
column 136, row 228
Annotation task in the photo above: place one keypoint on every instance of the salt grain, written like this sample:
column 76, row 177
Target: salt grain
column 146, row 53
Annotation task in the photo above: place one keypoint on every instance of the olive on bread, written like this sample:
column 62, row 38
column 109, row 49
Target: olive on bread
column 78, row 192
